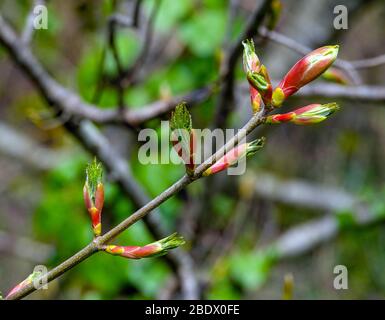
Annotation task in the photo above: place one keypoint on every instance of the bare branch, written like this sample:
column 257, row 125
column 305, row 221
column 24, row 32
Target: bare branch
column 25, row 248
column 117, row 166
column 368, row 63
column 303, row 238
column 329, row 90
column 29, row 28
column 303, row 193
column 231, row 56
column 22, row 147
column 54, row 94
column 66, row 101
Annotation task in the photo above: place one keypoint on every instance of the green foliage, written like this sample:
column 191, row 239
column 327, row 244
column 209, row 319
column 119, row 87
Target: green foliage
column 171, row 12
column 204, row 32
column 249, row 269
column 346, row 220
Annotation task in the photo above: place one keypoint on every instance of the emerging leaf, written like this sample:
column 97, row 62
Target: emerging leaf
column 181, row 118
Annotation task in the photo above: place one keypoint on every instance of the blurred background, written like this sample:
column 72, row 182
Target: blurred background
column 312, row 199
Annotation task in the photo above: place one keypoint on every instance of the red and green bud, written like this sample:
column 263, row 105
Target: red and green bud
column 304, row 71
column 235, row 155
column 93, row 193
column 257, row 77
column 155, row 249
column 183, row 136
column 335, row 75
column 311, row 114
column 256, row 99
column 250, row 59
column 24, row 283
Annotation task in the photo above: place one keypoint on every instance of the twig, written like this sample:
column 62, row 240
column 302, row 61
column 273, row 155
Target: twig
column 368, row 63
column 304, row 194
column 142, row 212
column 24, row 148
column 125, row 78
column 227, row 72
column 303, row 238
column 69, row 102
column 97, row 143
column 29, row 28
column 329, row 90
column 25, row 248
column 136, row 14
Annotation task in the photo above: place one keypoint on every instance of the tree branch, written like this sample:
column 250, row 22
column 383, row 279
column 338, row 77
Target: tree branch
column 231, row 56
column 68, row 102
column 329, row 90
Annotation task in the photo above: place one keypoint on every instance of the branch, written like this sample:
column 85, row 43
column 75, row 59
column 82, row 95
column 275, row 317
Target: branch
column 303, row 238
column 68, row 102
column 94, row 246
column 25, row 248
column 117, row 166
column 231, row 56
column 24, row 148
column 364, row 93
column 127, row 77
column 368, row 63
column 55, row 95
column 329, row 90
column 29, row 28
column 304, row 194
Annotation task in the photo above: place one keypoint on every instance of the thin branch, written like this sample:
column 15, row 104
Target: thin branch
column 25, row 248
column 136, row 15
column 363, row 93
column 22, row 147
column 368, row 63
column 69, row 102
column 302, row 193
column 142, row 212
column 94, row 141
column 117, row 166
column 29, row 27
column 125, row 78
column 329, row 90
column 304, row 238
column 231, row 56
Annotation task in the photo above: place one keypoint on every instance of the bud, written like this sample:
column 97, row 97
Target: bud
column 234, row 155
column 183, row 137
column 155, row 249
column 255, row 99
column 250, row 59
column 304, row 71
column 24, row 283
column 311, row 114
column 93, row 193
column 335, row 75
column 257, row 77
